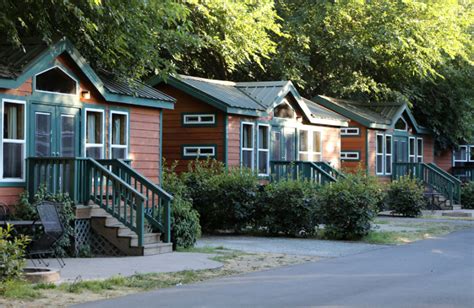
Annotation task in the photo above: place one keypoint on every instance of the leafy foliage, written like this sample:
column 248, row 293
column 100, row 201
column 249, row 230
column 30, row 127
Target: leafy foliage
column 405, row 196
column 185, row 227
column 12, row 254
column 348, row 206
column 287, row 207
column 467, row 195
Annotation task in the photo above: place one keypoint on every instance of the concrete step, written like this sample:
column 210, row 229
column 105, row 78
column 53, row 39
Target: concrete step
column 158, row 248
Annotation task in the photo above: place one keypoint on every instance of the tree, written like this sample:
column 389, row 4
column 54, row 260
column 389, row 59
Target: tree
column 381, row 50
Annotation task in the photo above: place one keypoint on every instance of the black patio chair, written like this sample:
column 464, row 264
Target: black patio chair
column 53, row 230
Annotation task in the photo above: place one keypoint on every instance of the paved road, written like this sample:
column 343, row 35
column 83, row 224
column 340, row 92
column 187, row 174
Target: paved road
column 437, row 272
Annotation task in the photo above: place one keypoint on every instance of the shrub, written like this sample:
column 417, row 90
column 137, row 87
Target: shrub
column 12, row 254
column 405, row 197
column 185, row 227
column 224, row 198
column 467, row 196
column 287, row 207
column 348, row 206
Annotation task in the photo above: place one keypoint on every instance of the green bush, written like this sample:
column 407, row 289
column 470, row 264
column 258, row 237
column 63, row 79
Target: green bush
column 27, row 211
column 185, row 227
column 287, row 207
column 12, row 254
column 348, row 206
column 467, row 196
column 224, row 198
column 405, row 197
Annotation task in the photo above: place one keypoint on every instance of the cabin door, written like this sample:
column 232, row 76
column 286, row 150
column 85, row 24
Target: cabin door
column 55, row 131
column 400, row 147
column 283, row 143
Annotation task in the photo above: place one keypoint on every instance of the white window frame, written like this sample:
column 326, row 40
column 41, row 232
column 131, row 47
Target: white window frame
column 387, row 154
column 199, row 148
column 94, row 145
column 18, row 141
column 418, row 155
column 461, row 160
column 346, row 131
column 118, row 146
column 267, row 150
column 242, row 149
column 57, row 93
column 186, row 121
column 311, row 152
column 412, row 157
column 379, row 154
column 468, row 153
column 345, row 155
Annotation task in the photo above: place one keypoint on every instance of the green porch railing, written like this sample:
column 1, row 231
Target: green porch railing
column 432, row 176
column 304, row 170
column 330, row 169
column 464, row 173
column 157, row 203
column 85, row 180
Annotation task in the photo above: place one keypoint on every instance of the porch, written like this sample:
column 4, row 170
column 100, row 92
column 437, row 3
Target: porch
column 124, row 207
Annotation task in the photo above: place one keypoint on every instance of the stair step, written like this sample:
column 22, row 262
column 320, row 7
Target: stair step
column 154, row 249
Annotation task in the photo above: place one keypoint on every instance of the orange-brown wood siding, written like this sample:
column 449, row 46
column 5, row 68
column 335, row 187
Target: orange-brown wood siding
column 23, row 90
column 233, row 140
column 444, row 160
column 355, row 143
column 175, row 135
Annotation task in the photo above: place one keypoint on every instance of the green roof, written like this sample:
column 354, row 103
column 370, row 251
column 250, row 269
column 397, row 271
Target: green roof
column 249, row 98
column 16, row 65
column 373, row 115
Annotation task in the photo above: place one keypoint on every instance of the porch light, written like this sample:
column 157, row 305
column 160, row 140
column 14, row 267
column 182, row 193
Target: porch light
column 86, row 94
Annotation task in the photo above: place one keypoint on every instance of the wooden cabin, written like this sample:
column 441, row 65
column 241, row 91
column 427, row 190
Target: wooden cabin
column 247, row 124
column 65, row 126
column 459, row 162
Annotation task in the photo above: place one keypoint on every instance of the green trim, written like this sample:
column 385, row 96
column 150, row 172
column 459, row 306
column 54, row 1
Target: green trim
column 198, row 145
column 199, row 113
column 347, row 113
column 13, row 184
column 367, row 165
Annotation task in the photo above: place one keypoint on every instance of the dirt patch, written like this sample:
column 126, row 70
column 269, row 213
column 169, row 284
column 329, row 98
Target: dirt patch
column 235, row 262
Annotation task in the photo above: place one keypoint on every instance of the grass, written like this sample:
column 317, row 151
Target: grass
column 18, row 289
column 205, row 249
column 426, row 230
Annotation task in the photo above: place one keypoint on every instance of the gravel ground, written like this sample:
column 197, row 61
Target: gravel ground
column 292, row 246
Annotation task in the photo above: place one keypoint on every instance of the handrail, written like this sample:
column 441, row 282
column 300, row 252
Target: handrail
column 330, row 169
column 431, row 175
column 84, row 179
column 299, row 170
column 452, row 177
column 157, row 198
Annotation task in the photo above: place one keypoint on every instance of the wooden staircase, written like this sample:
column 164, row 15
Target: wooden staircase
column 316, row 172
column 123, row 238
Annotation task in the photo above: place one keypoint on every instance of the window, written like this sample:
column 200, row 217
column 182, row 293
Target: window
column 94, row 133
column 247, row 145
column 56, row 80
column 419, row 150
column 384, row 154
column 460, row 155
column 309, row 145
column 284, row 110
column 471, row 157
column 193, row 151
column 119, row 135
column 379, row 154
column 13, row 140
column 199, row 119
column 263, row 150
column 350, row 131
column 388, row 154
column 401, row 124
column 350, row 155
column 412, row 150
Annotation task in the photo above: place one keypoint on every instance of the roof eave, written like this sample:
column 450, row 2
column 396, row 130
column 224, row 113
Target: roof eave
column 344, row 112
column 329, row 122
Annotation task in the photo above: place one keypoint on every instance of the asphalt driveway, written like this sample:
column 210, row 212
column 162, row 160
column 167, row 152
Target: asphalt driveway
column 436, row 272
